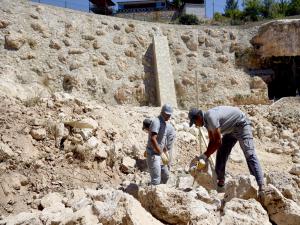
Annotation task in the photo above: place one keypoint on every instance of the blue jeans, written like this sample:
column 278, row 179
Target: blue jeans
column 159, row 173
column 243, row 134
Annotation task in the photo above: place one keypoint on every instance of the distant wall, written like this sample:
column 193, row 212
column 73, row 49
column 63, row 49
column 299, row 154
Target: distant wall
column 194, row 9
column 154, row 16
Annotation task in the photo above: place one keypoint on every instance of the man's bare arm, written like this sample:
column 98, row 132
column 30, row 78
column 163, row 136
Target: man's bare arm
column 215, row 141
column 154, row 143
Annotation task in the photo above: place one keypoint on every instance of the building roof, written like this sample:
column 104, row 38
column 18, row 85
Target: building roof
column 102, row 3
column 194, row 1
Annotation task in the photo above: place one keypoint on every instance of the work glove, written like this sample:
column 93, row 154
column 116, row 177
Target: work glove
column 164, row 158
column 199, row 163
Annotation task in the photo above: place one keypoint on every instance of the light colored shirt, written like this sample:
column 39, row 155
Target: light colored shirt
column 223, row 117
column 165, row 134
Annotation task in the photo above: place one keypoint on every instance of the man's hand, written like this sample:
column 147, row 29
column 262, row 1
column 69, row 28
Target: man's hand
column 201, row 164
column 164, row 158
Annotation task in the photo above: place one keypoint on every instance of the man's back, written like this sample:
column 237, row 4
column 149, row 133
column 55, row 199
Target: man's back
column 223, row 117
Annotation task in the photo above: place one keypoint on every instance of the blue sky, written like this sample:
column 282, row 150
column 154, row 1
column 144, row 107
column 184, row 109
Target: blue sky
column 84, row 5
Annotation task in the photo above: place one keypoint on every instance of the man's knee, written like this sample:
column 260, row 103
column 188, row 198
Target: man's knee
column 164, row 174
column 247, row 146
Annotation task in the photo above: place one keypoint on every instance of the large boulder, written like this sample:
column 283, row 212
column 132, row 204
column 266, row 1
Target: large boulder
column 117, row 207
column 5, row 152
column 286, row 184
column 246, row 212
column 177, row 207
column 278, row 38
column 22, row 218
column 281, row 210
column 14, row 41
column 52, row 199
column 295, row 169
column 243, row 187
column 206, row 177
column 88, row 207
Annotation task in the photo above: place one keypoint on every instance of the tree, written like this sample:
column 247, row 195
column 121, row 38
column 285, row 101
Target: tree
column 231, row 5
column 267, row 5
column 271, row 9
column 294, row 8
column 253, row 10
column 284, row 6
column 232, row 10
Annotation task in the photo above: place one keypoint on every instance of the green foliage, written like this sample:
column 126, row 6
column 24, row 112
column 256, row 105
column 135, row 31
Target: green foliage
column 219, row 17
column 294, row 8
column 188, row 19
column 178, row 3
column 253, row 10
column 231, row 5
column 234, row 14
column 272, row 9
column 283, row 6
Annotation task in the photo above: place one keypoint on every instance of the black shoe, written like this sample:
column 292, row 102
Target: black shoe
column 221, row 186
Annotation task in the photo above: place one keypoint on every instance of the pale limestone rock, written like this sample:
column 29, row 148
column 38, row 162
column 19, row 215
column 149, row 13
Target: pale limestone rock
column 85, row 216
column 87, row 123
column 205, row 177
column 119, row 40
column 209, row 43
column 281, row 210
column 117, row 207
column 23, row 218
column 38, row 134
column 101, row 153
column 92, row 143
column 55, row 44
column 257, row 83
column 130, row 53
column 74, row 196
column 86, row 133
column 177, row 207
column 185, row 182
column 285, row 183
column 4, row 24
column 275, row 38
column 243, row 187
column 127, row 165
column 5, row 152
column 55, row 215
column 130, row 28
column 52, row 200
column 209, row 198
column 276, row 150
column 246, row 212
column 88, row 37
column 223, row 59
column 14, row 41
column 192, row 45
column 16, row 180
column 286, row 134
column 206, row 53
column 73, row 51
column 96, row 44
column 75, row 65
column 201, row 39
column 295, row 169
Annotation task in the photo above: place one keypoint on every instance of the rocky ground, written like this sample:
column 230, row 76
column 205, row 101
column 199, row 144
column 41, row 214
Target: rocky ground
column 65, row 145
column 70, row 155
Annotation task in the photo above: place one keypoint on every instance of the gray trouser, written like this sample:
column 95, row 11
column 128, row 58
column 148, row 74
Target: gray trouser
column 159, row 173
column 243, row 134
